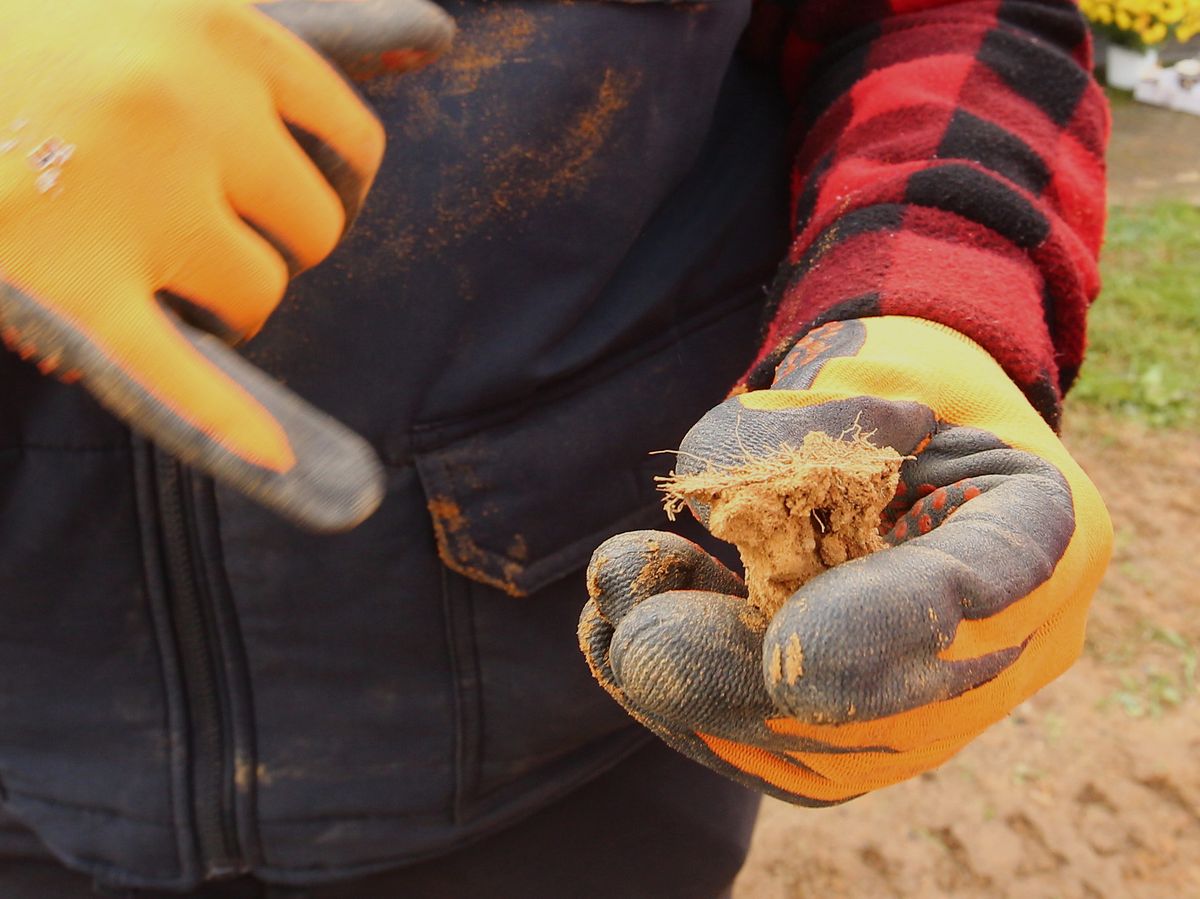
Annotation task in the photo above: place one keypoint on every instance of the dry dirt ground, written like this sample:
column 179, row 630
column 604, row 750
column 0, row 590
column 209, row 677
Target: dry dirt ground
column 1091, row 788
column 1154, row 155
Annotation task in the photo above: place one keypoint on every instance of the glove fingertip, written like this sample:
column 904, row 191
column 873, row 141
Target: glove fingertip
column 633, row 566
column 336, row 481
column 368, row 38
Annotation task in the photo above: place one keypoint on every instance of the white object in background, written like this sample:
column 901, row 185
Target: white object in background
column 1123, row 67
column 1177, row 87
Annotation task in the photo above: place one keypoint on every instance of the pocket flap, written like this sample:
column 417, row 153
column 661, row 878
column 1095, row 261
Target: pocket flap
column 524, row 503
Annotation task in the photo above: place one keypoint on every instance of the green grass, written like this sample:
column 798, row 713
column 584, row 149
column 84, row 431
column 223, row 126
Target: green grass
column 1117, row 97
column 1143, row 356
column 1160, row 684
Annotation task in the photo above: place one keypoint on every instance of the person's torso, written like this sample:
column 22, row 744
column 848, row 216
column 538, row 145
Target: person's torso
column 559, row 270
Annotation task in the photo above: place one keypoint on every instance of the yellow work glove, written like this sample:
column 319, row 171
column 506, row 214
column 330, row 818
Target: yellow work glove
column 885, row 666
column 165, row 167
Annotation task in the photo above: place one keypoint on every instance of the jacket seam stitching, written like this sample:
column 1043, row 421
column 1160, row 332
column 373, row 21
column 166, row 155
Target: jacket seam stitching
column 154, row 623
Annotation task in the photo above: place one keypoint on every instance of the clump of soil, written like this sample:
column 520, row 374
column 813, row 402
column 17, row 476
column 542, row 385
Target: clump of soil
column 796, row 513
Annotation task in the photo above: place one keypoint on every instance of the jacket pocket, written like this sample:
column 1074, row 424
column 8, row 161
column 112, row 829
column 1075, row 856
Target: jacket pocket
column 524, row 503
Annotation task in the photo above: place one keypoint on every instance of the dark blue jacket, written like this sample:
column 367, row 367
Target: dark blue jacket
column 560, row 269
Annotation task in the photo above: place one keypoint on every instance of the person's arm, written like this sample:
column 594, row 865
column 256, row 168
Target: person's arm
column 950, row 167
column 948, row 211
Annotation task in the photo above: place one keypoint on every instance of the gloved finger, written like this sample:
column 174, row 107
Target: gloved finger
column 739, row 741
column 929, row 612
column 633, row 566
column 325, row 115
column 367, row 38
column 953, row 468
column 238, row 269
column 690, row 662
column 282, row 195
column 693, row 660
column 204, row 404
column 595, row 636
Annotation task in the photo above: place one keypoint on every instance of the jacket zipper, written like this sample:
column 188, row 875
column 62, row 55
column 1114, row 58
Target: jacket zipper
column 210, row 742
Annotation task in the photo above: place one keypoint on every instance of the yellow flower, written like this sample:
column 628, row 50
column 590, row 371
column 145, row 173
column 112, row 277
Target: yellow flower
column 1170, row 11
column 1185, row 16
column 1124, row 20
column 1155, row 34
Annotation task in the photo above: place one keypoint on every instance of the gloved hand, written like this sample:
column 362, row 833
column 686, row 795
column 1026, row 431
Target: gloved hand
column 165, row 167
column 885, row 666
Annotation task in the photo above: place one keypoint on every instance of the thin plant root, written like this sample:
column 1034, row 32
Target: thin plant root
column 796, row 513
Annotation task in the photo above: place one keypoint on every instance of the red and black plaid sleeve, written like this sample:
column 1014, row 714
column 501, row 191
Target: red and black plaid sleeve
column 949, row 167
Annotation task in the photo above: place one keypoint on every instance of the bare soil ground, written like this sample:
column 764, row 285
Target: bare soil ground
column 1091, row 788
column 1154, row 155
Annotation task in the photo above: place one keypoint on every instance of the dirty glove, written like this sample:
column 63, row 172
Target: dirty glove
column 885, row 666
column 165, row 167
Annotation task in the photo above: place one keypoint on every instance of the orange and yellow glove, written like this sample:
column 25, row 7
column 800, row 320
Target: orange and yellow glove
column 165, row 167
column 885, row 666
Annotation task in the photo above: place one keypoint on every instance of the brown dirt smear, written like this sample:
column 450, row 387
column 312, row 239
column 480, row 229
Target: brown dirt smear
column 797, row 513
column 460, row 553
column 567, row 162
column 659, row 570
column 1089, row 789
column 495, row 39
column 518, row 177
